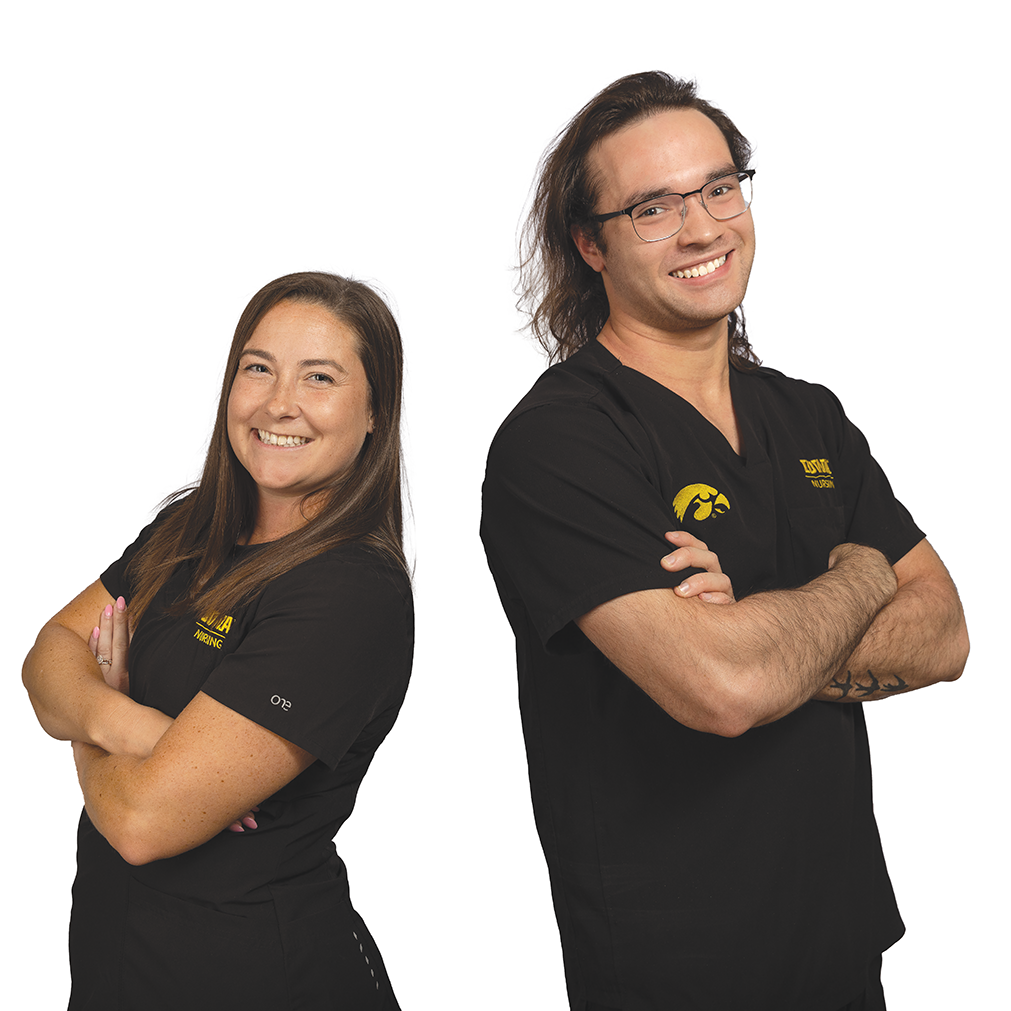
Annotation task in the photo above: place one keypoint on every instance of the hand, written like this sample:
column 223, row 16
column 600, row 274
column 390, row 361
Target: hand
column 867, row 568
column 713, row 586
column 110, row 646
column 246, row 820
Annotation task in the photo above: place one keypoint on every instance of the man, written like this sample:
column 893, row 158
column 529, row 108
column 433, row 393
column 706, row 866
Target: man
column 700, row 774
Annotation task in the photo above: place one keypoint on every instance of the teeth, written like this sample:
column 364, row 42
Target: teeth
column 281, row 440
column 703, row 268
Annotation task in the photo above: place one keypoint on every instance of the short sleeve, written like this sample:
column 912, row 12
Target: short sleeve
column 573, row 514
column 114, row 578
column 328, row 652
column 876, row 517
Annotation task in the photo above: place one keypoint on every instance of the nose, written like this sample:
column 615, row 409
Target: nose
column 283, row 401
column 700, row 227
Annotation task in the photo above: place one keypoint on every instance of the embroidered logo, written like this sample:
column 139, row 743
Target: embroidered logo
column 706, row 499
column 212, row 629
column 819, row 473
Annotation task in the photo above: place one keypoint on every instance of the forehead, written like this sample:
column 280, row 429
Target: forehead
column 674, row 151
column 301, row 323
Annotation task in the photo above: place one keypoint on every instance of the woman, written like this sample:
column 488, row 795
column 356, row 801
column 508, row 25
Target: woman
column 272, row 638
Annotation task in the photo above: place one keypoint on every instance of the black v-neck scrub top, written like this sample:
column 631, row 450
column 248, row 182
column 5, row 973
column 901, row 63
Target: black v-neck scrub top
column 688, row 870
column 261, row 919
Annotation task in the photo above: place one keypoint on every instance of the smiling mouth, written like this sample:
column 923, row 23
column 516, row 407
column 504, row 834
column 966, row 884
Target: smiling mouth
column 271, row 439
column 701, row 269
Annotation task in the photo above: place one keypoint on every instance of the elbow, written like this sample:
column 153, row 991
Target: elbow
column 960, row 651
column 725, row 707
column 135, row 839
column 131, row 843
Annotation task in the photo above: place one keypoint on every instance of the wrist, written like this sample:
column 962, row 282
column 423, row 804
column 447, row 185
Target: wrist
column 867, row 570
column 126, row 727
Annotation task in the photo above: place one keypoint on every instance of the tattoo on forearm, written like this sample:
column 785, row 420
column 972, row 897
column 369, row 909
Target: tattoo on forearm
column 860, row 690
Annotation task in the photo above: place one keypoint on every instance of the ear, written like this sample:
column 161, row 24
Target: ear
column 371, row 424
column 588, row 249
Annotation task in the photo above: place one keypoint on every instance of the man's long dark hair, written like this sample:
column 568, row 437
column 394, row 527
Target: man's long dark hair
column 362, row 504
column 563, row 295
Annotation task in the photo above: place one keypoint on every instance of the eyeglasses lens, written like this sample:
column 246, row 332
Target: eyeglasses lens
column 661, row 218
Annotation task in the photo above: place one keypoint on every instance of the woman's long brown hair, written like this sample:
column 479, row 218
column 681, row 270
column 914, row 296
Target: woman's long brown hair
column 362, row 504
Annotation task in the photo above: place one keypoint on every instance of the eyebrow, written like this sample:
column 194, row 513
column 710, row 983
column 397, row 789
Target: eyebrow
column 305, row 363
column 644, row 195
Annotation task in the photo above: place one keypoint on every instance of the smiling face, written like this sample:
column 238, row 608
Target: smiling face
column 299, row 408
column 693, row 279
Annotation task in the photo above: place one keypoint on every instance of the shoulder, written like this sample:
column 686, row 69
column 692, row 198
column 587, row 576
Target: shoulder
column 795, row 400
column 351, row 591
column 583, row 394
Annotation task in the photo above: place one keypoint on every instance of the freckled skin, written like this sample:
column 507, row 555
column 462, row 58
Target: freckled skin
column 302, row 377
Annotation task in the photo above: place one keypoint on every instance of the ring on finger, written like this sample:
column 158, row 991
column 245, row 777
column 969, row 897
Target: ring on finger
column 101, row 660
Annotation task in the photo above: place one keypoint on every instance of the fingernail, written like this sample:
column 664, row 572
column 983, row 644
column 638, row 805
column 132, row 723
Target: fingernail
column 96, row 632
column 683, row 588
column 249, row 821
column 108, row 610
column 121, row 604
column 235, row 828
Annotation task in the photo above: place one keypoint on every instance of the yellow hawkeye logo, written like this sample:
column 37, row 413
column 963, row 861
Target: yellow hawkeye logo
column 212, row 629
column 819, row 472
column 704, row 497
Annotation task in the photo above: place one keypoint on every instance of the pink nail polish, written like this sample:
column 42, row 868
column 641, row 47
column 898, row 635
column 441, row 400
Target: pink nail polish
column 96, row 632
column 121, row 604
column 108, row 610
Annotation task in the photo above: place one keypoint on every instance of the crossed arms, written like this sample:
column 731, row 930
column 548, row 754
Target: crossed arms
column 153, row 786
column 859, row 631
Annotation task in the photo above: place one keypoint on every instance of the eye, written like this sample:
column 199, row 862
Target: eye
column 724, row 189
column 321, row 377
column 650, row 210
column 256, row 368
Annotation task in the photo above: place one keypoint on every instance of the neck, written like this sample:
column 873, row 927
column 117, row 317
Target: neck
column 694, row 365
column 275, row 518
column 691, row 363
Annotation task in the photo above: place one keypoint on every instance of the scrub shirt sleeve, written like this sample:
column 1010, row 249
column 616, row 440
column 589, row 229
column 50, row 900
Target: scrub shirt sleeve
column 573, row 514
column 874, row 515
column 114, row 579
column 328, row 651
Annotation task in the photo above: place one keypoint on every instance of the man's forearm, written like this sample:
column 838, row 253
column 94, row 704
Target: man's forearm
column 724, row 669
column 790, row 641
column 916, row 640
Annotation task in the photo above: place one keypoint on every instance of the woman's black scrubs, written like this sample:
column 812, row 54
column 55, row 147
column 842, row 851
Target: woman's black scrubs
column 260, row 919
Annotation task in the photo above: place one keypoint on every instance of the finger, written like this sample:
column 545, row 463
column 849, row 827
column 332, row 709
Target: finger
column 121, row 635
column 105, row 638
column 691, row 557
column 684, row 539
column 707, row 583
column 93, row 641
column 235, row 827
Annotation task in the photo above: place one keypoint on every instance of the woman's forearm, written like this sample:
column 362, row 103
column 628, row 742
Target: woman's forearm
column 73, row 702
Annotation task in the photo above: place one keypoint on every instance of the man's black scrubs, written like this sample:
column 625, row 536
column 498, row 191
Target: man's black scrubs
column 688, row 870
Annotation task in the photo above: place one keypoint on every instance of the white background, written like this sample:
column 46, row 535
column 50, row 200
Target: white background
column 164, row 162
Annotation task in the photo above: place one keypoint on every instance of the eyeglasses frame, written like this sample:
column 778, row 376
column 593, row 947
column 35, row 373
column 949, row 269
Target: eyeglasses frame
column 601, row 218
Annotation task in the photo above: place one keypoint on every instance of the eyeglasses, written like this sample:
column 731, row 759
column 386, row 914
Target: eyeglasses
column 664, row 216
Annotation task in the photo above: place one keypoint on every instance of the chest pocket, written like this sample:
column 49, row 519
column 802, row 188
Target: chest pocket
column 814, row 532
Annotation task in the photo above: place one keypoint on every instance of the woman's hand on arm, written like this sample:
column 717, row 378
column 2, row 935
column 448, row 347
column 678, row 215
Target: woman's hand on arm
column 209, row 768
column 67, row 689
column 110, row 645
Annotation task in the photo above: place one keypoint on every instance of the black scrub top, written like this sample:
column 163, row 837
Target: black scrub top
column 687, row 869
column 259, row 919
